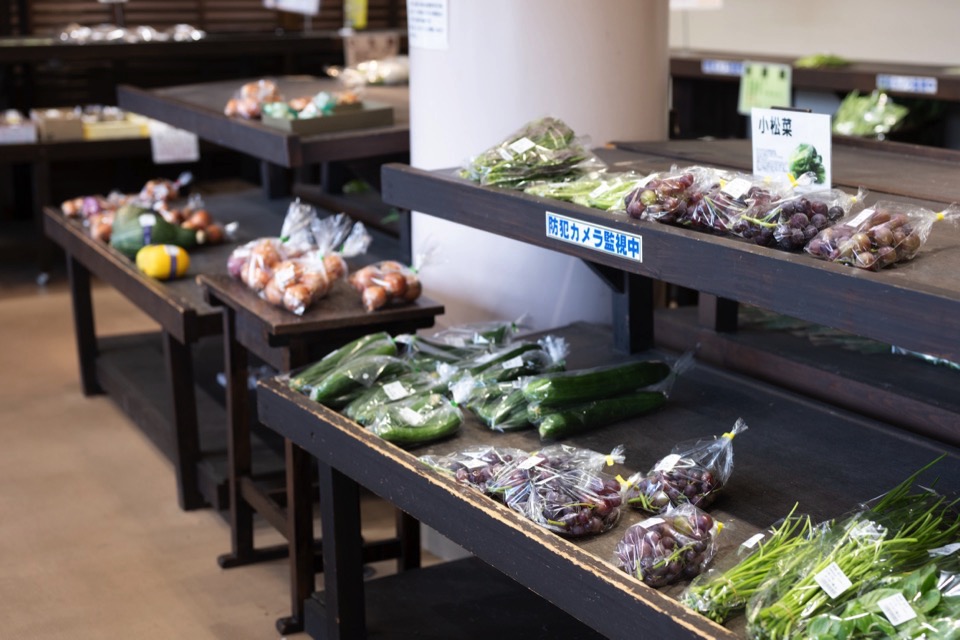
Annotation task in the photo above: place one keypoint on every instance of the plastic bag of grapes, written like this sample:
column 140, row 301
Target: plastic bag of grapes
column 677, row 545
column 885, row 234
column 573, row 502
column 791, row 222
column 475, row 466
column 693, row 473
column 700, row 198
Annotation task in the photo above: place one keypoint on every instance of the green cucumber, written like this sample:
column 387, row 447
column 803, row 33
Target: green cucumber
column 354, row 375
column 418, row 420
column 503, row 411
column 476, row 366
column 139, row 227
column 365, row 407
column 584, row 385
column 372, row 344
column 561, row 422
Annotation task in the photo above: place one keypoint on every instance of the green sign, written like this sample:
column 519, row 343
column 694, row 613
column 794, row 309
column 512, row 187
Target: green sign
column 764, row 85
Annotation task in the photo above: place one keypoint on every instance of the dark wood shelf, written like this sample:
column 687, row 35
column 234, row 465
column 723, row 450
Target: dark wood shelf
column 856, row 76
column 473, row 600
column 130, row 368
column 770, row 477
column 198, row 108
column 893, row 306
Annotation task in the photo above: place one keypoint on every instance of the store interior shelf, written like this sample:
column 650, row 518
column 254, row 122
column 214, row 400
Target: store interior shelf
column 463, row 599
column 198, row 108
column 131, row 369
column 769, row 479
column 892, row 306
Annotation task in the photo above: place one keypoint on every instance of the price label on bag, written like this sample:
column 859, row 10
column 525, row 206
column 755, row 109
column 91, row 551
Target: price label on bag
column 752, row 541
column 897, row 609
column 169, row 144
column 833, row 580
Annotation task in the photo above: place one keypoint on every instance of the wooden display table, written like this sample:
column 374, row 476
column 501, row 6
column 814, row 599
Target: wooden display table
column 184, row 421
column 286, row 341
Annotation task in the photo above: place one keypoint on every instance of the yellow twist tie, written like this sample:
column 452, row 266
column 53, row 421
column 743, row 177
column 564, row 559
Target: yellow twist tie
column 793, row 181
column 940, row 216
column 723, row 183
column 719, row 526
column 729, row 435
column 610, row 461
column 623, row 483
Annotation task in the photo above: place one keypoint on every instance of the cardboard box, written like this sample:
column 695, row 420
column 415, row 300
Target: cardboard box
column 369, row 114
column 57, row 125
column 15, row 129
column 133, row 126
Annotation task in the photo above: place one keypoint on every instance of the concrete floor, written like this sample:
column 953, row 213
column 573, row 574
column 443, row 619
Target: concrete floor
column 92, row 543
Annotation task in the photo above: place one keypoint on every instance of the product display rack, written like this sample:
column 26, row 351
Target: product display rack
column 799, row 449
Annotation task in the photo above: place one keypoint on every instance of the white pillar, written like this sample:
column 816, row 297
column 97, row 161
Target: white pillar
column 601, row 66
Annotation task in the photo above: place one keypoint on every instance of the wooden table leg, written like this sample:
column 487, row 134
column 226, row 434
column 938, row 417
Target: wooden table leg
column 342, row 555
column 83, row 325
column 186, row 435
column 718, row 314
column 275, row 180
column 408, row 531
column 239, row 463
column 299, row 535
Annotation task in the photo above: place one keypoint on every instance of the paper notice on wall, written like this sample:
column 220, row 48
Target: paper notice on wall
column 305, row 7
column 687, row 5
column 428, row 23
column 169, row 144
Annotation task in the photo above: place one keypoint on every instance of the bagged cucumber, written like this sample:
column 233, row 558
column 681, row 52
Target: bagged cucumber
column 365, row 407
column 502, row 407
column 584, row 385
column 417, row 420
column 559, row 422
column 354, row 375
column 373, row 344
column 135, row 227
column 550, row 357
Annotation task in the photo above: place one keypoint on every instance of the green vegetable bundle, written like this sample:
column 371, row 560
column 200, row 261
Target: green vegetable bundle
column 373, row 344
column 544, row 149
column 855, row 554
column 870, row 116
column 605, row 191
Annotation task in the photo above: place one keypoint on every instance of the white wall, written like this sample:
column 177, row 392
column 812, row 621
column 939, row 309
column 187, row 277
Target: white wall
column 918, row 31
column 603, row 72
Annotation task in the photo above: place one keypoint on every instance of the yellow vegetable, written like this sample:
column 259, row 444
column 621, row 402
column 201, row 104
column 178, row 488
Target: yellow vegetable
column 163, row 261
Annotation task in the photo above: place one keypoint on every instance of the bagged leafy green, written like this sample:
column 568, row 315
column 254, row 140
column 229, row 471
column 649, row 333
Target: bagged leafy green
column 545, row 149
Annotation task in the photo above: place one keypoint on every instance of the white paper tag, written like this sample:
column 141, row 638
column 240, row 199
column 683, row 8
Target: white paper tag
column 668, row 462
column 897, row 609
column 404, row 338
column 530, row 462
column 599, row 191
column 458, row 341
column 522, row 145
column 169, row 144
column 474, row 463
column 428, row 24
column 506, row 155
column 860, row 219
column 410, row 416
column 513, row 363
column 651, row 522
column 147, row 219
column 736, row 188
column 395, row 390
column 286, row 276
column 865, row 529
column 752, row 541
column 832, row 580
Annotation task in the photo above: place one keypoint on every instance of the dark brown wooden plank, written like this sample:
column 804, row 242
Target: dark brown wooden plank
column 769, row 478
column 892, row 306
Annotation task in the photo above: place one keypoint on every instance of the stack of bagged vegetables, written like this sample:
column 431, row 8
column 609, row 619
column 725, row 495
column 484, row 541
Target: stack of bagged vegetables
column 300, row 266
column 870, row 574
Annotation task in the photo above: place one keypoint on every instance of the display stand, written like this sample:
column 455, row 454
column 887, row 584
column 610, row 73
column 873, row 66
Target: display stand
column 286, row 341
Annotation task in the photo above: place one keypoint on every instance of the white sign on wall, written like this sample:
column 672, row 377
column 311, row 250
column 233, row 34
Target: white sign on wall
column 305, row 7
column 428, row 23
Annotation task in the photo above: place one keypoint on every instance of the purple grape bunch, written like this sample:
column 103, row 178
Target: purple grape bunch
column 788, row 224
column 663, row 550
column 476, row 467
column 578, row 503
column 686, row 481
column 883, row 239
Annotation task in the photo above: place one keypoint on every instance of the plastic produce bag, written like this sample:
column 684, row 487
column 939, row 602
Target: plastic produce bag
column 791, row 222
column 693, row 473
column 494, row 332
column 665, row 549
column 379, row 343
column 366, row 406
column 475, row 466
column 386, row 282
column 247, row 102
column 341, row 385
column 869, row 116
column 500, row 405
column 605, row 191
column 418, row 419
column 568, row 499
column 885, row 234
column 695, row 197
column 428, row 353
column 545, row 149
